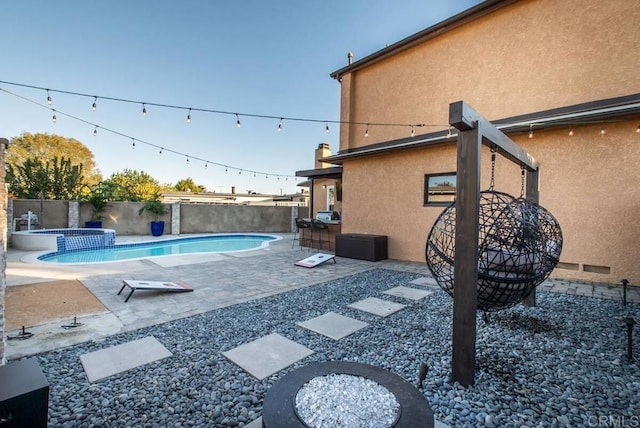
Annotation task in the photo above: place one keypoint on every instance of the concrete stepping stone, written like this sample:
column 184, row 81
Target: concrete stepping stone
column 408, row 293
column 376, row 306
column 120, row 358
column 333, row 325
column 425, row 281
column 267, row 355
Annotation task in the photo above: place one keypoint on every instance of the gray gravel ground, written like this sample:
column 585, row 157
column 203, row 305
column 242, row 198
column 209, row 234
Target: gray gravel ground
column 562, row 363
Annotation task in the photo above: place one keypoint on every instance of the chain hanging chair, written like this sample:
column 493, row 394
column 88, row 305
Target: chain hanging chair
column 519, row 244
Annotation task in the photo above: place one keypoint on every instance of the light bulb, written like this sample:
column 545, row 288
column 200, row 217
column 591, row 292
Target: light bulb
column 237, row 120
column 160, row 152
column 280, row 125
column 413, row 132
column 189, row 116
column 531, row 130
column 144, row 109
column 240, row 172
column 206, row 164
column 225, row 169
column 571, row 132
column 602, row 131
column 94, row 105
column 95, row 131
column 133, row 143
column 49, row 100
column 326, row 128
column 366, row 131
column 638, row 128
column 449, row 133
column 54, row 119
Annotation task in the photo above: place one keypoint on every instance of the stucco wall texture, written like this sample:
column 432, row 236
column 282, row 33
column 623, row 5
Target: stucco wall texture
column 529, row 56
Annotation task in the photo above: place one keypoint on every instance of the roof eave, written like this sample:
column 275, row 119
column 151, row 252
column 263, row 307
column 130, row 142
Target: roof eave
column 620, row 108
column 448, row 24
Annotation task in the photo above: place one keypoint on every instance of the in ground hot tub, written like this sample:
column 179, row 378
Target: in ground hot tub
column 62, row 239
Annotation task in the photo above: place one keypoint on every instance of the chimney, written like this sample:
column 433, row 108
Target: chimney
column 233, row 190
column 322, row 151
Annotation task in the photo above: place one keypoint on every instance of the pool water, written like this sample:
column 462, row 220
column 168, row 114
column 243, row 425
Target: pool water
column 223, row 243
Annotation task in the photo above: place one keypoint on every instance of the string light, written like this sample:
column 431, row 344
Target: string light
column 326, row 127
column 189, row 116
column 413, row 132
column 144, row 109
column 280, row 125
column 237, row 120
column 570, row 132
column 95, row 104
column 602, row 131
column 366, row 131
column 161, row 149
column 95, row 131
column 225, row 169
column 531, row 130
column 206, row 164
column 49, row 100
column 95, row 97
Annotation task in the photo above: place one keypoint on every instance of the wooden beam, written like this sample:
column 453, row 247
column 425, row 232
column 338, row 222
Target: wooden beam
column 465, row 274
column 464, row 117
column 474, row 130
column 532, row 194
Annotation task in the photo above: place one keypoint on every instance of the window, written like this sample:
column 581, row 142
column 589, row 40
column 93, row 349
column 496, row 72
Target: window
column 439, row 189
column 331, row 198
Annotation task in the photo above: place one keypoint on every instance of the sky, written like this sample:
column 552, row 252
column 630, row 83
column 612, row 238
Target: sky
column 252, row 57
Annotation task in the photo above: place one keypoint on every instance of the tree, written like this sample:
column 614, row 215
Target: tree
column 133, row 185
column 46, row 147
column 55, row 178
column 188, row 185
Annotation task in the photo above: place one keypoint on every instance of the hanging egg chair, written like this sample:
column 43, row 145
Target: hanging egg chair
column 519, row 244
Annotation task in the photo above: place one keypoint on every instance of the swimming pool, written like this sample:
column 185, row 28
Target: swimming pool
column 220, row 243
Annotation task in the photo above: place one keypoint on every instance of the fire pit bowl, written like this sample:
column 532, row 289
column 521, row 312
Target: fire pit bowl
column 280, row 411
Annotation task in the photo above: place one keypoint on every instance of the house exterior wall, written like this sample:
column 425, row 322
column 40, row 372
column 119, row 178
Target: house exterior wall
column 529, row 56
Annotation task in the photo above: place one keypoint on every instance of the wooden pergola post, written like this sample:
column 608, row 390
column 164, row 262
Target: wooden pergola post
column 474, row 130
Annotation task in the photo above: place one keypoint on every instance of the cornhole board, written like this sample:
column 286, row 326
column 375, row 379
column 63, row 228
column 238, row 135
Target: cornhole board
column 174, row 287
column 315, row 260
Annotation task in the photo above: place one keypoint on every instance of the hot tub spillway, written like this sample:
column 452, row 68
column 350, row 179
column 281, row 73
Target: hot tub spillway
column 63, row 239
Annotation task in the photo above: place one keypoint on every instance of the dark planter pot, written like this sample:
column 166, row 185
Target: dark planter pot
column 157, row 228
column 93, row 224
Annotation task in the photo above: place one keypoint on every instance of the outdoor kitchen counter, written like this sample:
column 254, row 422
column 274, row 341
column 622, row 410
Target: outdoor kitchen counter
column 334, row 228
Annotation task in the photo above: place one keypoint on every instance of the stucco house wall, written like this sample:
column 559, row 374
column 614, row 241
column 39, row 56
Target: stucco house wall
column 525, row 57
